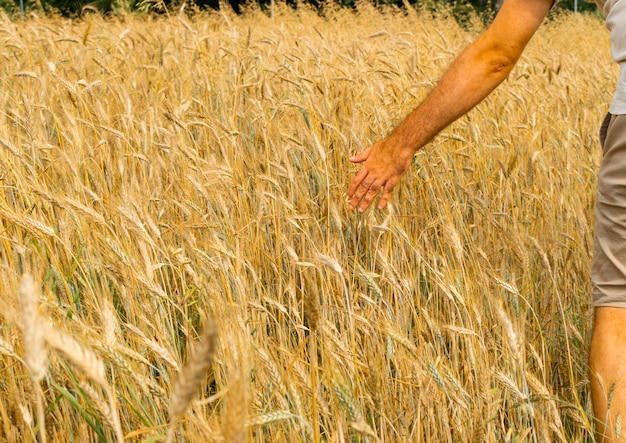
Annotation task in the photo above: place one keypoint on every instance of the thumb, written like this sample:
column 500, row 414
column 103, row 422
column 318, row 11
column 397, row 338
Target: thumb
column 362, row 156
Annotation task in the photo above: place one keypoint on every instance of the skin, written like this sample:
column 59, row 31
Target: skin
column 476, row 72
column 608, row 367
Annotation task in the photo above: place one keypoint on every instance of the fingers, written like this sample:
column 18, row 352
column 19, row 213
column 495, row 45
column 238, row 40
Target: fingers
column 364, row 193
column 368, row 197
column 356, row 183
column 362, row 156
column 384, row 199
column 380, row 172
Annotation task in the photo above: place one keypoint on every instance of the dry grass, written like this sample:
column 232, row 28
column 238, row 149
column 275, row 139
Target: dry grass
column 158, row 172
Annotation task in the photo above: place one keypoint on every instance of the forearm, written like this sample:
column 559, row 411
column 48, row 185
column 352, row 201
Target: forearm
column 475, row 73
column 473, row 76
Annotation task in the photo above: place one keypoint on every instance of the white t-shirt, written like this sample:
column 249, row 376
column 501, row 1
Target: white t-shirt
column 615, row 12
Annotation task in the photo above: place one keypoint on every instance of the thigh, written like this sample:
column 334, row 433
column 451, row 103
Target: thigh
column 609, row 260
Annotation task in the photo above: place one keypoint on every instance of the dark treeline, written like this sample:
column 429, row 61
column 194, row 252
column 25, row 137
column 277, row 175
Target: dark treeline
column 460, row 8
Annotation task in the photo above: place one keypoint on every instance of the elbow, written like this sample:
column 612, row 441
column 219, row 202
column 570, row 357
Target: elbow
column 501, row 63
column 501, row 66
column 495, row 58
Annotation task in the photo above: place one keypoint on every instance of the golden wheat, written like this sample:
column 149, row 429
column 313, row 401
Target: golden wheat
column 155, row 169
column 192, row 375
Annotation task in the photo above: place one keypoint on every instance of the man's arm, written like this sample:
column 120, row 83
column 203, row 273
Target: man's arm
column 477, row 71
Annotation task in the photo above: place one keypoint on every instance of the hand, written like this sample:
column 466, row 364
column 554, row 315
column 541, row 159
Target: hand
column 384, row 163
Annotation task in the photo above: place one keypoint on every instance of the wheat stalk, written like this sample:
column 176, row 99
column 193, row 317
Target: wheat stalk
column 509, row 332
column 192, row 375
column 32, row 330
column 7, row 348
column 108, row 411
column 229, row 179
column 89, row 364
column 78, row 355
column 234, row 417
column 161, row 351
column 35, row 355
column 29, row 224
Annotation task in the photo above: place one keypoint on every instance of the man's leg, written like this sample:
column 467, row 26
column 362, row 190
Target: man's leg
column 608, row 276
column 607, row 358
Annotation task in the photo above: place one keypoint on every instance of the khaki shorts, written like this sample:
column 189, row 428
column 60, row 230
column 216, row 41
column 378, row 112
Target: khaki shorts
column 608, row 271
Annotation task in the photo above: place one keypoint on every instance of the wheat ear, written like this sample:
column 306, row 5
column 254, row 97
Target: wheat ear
column 109, row 411
column 191, row 376
column 32, row 332
column 89, row 364
column 78, row 355
column 35, row 356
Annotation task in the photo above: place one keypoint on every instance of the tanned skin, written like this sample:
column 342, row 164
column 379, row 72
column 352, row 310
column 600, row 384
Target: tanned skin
column 607, row 357
column 476, row 72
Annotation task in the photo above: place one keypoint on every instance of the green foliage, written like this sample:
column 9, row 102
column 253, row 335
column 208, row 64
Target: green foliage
column 464, row 11
column 9, row 6
column 75, row 7
column 580, row 5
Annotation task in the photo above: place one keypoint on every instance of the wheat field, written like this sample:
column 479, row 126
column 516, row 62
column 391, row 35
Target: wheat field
column 179, row 263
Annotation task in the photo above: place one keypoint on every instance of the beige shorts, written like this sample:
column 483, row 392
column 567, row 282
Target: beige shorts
column 608, row 271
